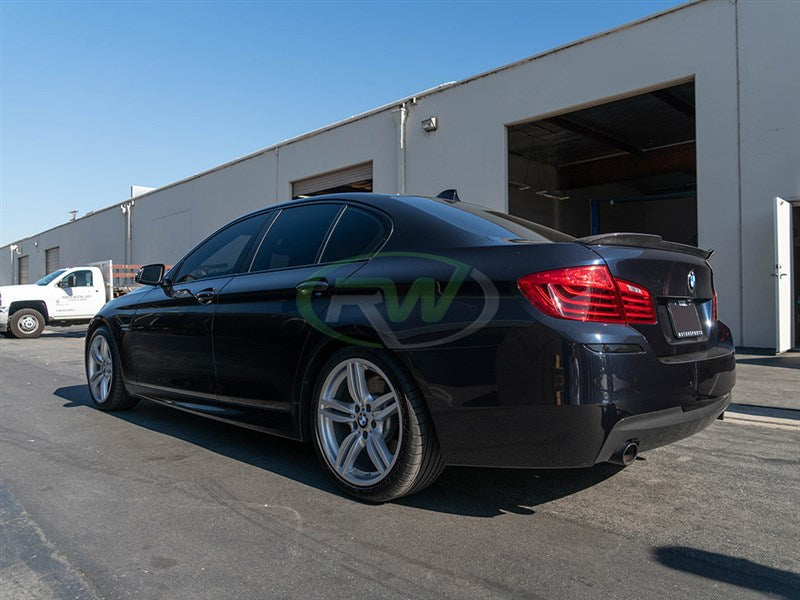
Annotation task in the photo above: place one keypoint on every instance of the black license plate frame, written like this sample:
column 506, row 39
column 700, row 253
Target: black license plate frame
column 685, row 320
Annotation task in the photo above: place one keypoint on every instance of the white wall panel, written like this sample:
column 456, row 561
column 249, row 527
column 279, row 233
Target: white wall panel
column 373, row 138
column 468, row 151
column 169, row 222
column 98, row 236
column 769, row 55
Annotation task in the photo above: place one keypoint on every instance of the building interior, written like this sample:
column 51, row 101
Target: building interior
column 625, row 165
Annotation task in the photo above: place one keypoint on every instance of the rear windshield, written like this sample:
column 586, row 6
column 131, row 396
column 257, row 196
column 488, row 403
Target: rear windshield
column 492, row 224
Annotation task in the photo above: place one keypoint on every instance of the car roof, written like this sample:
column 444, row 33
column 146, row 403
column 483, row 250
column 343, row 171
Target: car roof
column 437, row 221
column 371, row 199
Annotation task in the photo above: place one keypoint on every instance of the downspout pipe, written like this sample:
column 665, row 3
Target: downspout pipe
column 401, row 149
column 13, row 249
column 127, row 209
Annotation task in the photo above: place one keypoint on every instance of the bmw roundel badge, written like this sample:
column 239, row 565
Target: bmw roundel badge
column 691, row 280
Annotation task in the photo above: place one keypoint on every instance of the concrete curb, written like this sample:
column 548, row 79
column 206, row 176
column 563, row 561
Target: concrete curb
column 785, row 418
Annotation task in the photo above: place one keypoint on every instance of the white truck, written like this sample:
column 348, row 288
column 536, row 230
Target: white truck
column 69, row 296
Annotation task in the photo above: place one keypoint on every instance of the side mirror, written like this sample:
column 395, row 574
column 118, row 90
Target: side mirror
column 150, row 275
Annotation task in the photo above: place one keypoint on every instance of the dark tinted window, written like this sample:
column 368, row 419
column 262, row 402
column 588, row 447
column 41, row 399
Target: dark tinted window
column 357, row 232
column 77, row 279
column 220, row 254
column 295, row 237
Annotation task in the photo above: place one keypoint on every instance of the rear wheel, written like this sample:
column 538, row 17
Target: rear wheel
column 27, row 323
column 372, row 430
column 104, row 374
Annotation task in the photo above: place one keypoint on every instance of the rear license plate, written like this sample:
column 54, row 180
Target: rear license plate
column 685, row 320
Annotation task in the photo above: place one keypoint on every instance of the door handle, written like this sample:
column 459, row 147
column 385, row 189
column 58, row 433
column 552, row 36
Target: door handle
column 206, row 296
column 313, row 285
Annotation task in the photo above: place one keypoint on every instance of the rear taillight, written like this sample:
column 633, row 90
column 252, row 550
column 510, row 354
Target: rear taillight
column 636, row 302
column 714, row 308
column 588, row 294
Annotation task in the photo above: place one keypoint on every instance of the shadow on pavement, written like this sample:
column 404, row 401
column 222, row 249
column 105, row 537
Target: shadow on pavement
column 64, row 333
column 477, row 492
column 485, row 492
column 730, row 569
column 281, row 456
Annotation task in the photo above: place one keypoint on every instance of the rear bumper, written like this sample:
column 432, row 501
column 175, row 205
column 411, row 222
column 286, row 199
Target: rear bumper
column 546, row 401
column 662, row 427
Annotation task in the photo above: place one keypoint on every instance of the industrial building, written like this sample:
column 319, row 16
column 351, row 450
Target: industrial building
column 684, row 124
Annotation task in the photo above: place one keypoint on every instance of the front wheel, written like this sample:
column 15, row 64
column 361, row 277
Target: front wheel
column 104, row 374
column 372, row 430
column 27, row 323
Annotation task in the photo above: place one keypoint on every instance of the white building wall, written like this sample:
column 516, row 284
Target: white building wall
column 171, row 220
column 769, row 104
column 98, row 236
column 370, row 138
column 468, row 151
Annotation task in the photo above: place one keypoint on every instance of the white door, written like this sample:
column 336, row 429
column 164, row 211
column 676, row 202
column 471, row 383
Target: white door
column 783, row 279
column 78, row 295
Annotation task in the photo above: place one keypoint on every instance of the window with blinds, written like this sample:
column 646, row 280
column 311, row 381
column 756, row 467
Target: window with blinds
column 357, row 178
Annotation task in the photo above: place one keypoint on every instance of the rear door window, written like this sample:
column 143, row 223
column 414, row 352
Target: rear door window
column 296, row 237
column 357, row 233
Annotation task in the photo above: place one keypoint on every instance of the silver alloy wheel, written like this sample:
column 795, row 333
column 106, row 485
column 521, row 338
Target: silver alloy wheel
column 28, row 324
column 359, row 422
column 100, row 368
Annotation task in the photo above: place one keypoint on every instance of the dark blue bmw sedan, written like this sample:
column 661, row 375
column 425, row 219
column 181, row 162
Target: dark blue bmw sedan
column 400, row 334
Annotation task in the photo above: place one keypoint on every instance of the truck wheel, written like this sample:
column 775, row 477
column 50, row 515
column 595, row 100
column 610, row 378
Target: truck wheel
column 27, row 323
column 104, row 373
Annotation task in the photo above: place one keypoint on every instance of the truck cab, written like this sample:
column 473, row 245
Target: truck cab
column 67, row 296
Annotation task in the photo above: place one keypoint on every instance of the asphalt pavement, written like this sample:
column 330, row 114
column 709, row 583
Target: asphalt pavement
column 153, row 503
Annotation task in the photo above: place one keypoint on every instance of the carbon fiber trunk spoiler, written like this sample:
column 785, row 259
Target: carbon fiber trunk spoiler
column 642, row 240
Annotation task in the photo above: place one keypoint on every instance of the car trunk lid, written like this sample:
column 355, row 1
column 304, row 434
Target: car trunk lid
column 679, row 279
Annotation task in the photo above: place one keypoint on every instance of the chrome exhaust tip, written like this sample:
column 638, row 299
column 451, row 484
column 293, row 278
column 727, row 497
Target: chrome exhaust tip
column 625, row 454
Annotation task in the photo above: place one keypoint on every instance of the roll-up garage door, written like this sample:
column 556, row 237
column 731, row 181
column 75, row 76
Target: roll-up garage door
column 52, row 259
column 355, row 178
column 22, row 261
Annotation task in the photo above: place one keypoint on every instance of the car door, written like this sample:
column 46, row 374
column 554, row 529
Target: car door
column 77, row 295
column 170, row 336
column 259, row 332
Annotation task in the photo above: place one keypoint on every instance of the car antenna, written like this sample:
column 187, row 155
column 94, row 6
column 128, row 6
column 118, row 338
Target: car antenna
column 449, row 195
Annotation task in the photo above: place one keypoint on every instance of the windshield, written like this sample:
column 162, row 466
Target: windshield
column 49, row 277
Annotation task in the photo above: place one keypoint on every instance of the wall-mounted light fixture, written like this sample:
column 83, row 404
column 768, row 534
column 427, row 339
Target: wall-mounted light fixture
column 430, row 124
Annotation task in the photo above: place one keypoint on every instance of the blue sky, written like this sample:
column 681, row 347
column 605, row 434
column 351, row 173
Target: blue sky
column 95, row 97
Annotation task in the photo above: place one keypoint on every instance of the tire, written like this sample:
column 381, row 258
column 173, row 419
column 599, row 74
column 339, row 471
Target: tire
column 382, row 446
column 104, row 373
column 27, row 323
